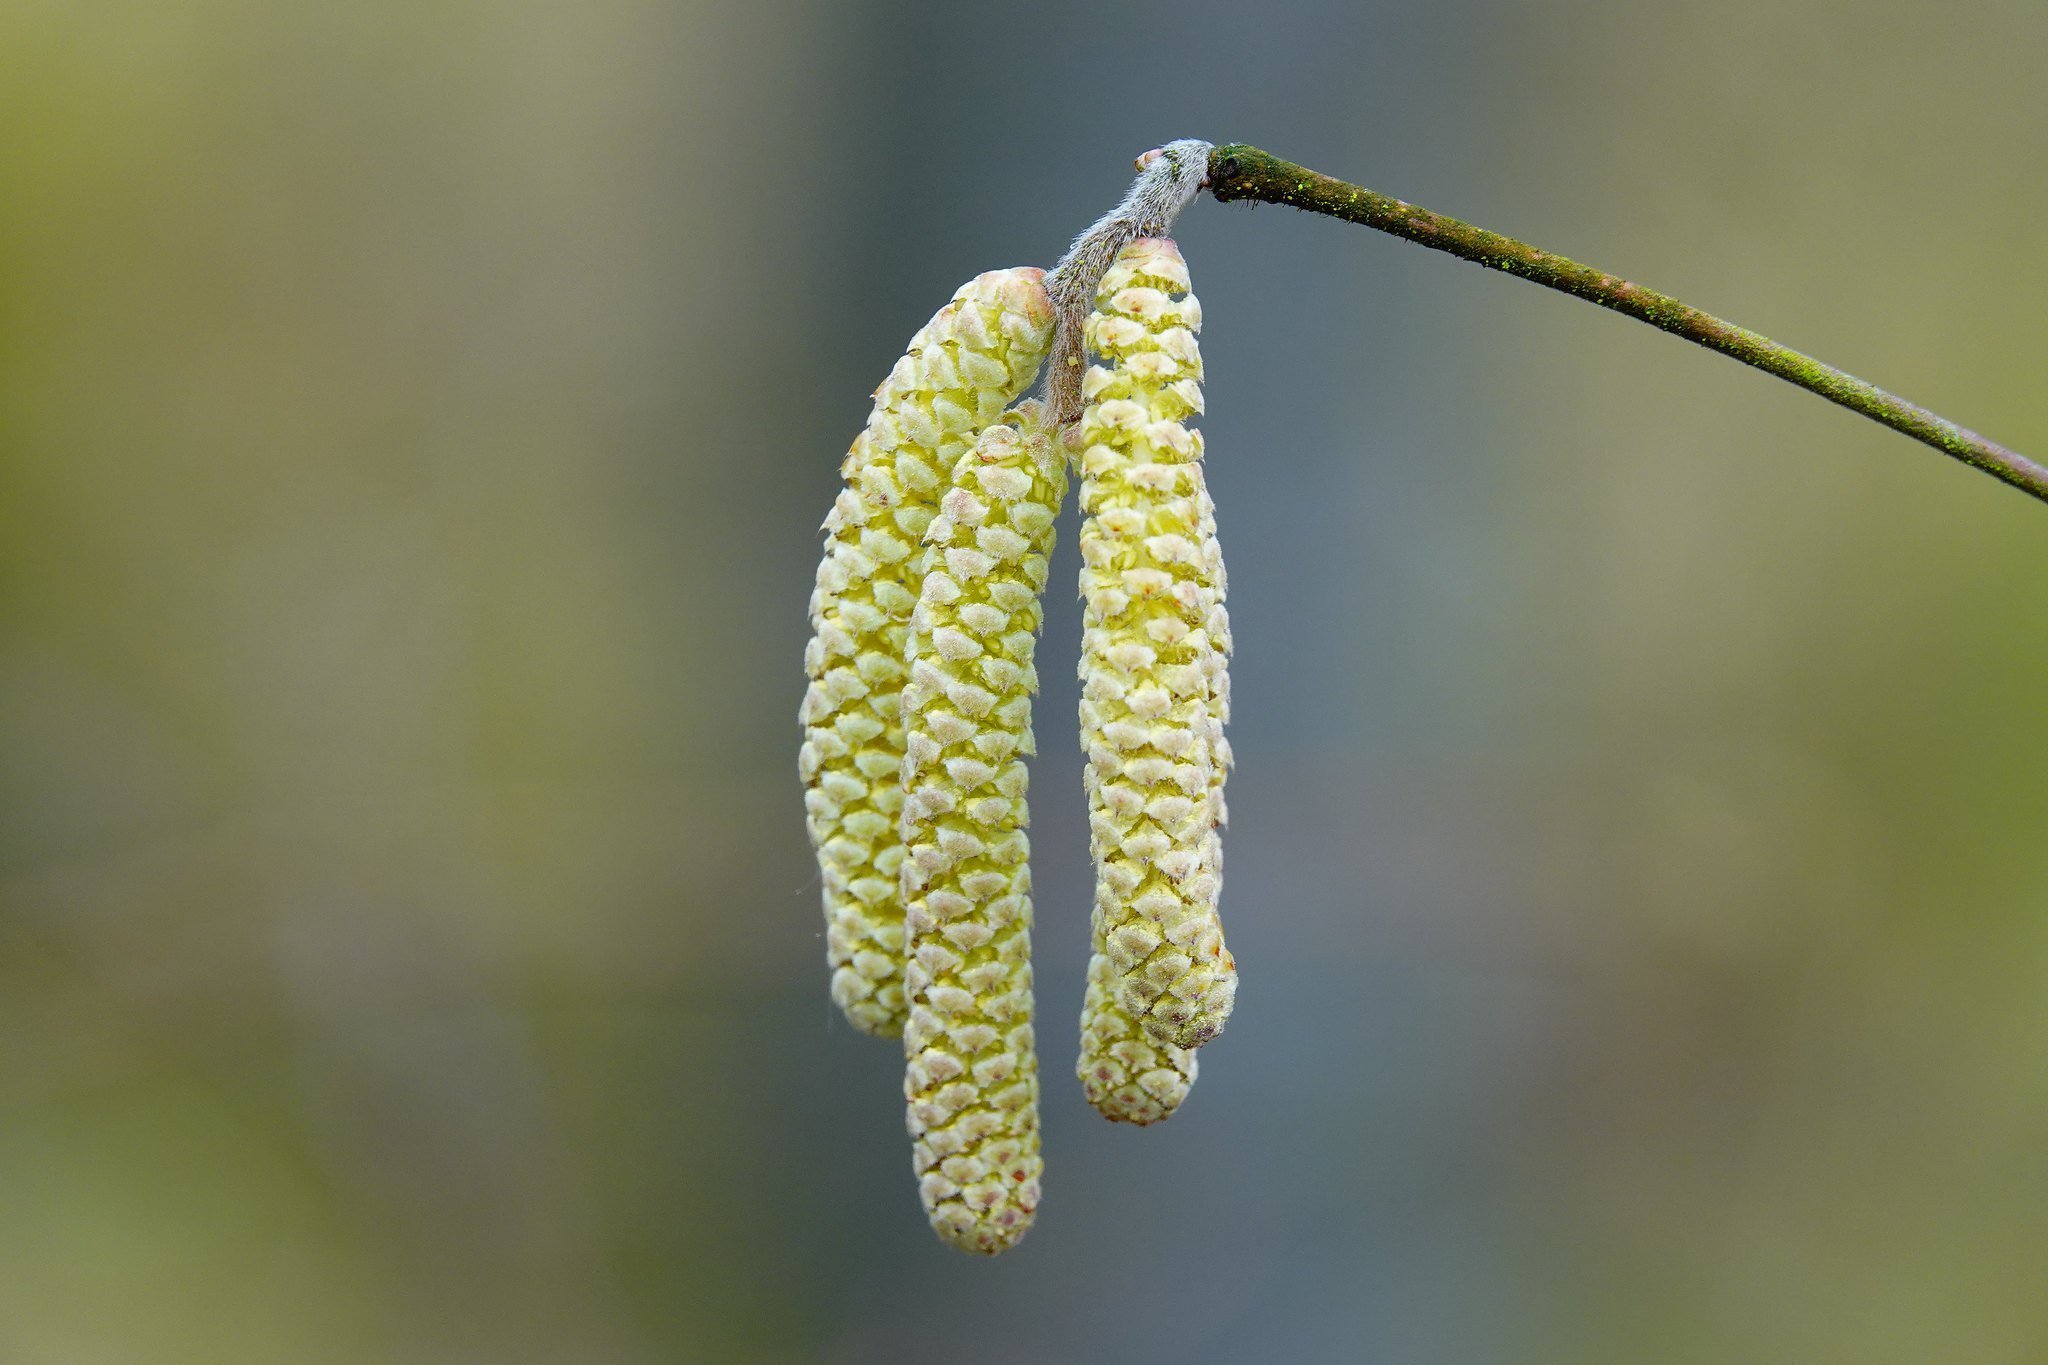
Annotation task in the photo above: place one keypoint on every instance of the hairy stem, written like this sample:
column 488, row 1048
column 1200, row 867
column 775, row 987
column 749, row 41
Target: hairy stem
column 1237, row 171
column 1168, row 180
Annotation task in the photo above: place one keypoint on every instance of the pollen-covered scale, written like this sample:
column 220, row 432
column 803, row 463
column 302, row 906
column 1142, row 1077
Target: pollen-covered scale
column 971, row 1078
column 1155, row 694
column 962, row 369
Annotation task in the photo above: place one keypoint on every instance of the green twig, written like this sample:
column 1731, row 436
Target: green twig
column 1237, row 171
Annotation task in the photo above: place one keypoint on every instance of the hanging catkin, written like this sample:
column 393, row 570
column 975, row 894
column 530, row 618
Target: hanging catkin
column 976, row 354
column 1154, row 694
column 971, row 1079
column 1127, row 1075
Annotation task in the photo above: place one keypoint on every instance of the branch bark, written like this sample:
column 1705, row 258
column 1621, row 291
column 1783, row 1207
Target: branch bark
column 1237, row 171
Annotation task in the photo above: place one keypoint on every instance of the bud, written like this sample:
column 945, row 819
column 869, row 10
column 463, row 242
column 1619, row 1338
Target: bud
column 976, row 354
column 971, row 1076
column 1155, row 693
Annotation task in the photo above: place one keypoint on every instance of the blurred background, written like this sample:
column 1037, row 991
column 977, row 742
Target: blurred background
column 415, row 421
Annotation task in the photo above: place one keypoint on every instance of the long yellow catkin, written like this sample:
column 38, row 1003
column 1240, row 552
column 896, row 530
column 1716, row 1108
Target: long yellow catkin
column 963, row 367
column 971, row 1077
column 1155, row 694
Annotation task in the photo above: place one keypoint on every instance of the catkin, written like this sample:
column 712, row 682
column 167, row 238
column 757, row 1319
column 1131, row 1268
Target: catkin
column 976, row 354
column 971, row 1076
column 1126, row 1074
column 1155, row 695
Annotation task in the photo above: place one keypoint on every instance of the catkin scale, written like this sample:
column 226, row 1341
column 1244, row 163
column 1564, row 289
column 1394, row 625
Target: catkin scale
column 971, row 1074
column 1155, row 695
column 962, row 368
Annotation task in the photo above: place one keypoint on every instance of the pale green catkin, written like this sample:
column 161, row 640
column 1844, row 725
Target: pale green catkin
column 971, row 1077
column 1154, row 695
column 1126, row 1074
column 963, row 368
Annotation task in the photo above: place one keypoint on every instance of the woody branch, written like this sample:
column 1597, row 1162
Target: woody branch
column 1237, row 171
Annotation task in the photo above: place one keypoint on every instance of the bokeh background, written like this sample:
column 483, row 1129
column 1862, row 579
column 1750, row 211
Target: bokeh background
column 415, row 420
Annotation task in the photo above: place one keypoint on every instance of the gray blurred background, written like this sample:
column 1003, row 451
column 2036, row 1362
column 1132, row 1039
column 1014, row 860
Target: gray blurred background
column 415, row 421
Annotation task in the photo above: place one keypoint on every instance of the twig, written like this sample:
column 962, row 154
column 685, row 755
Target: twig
column 1237, row 171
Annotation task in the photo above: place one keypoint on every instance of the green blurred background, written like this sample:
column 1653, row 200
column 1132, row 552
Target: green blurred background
column 415, row 419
